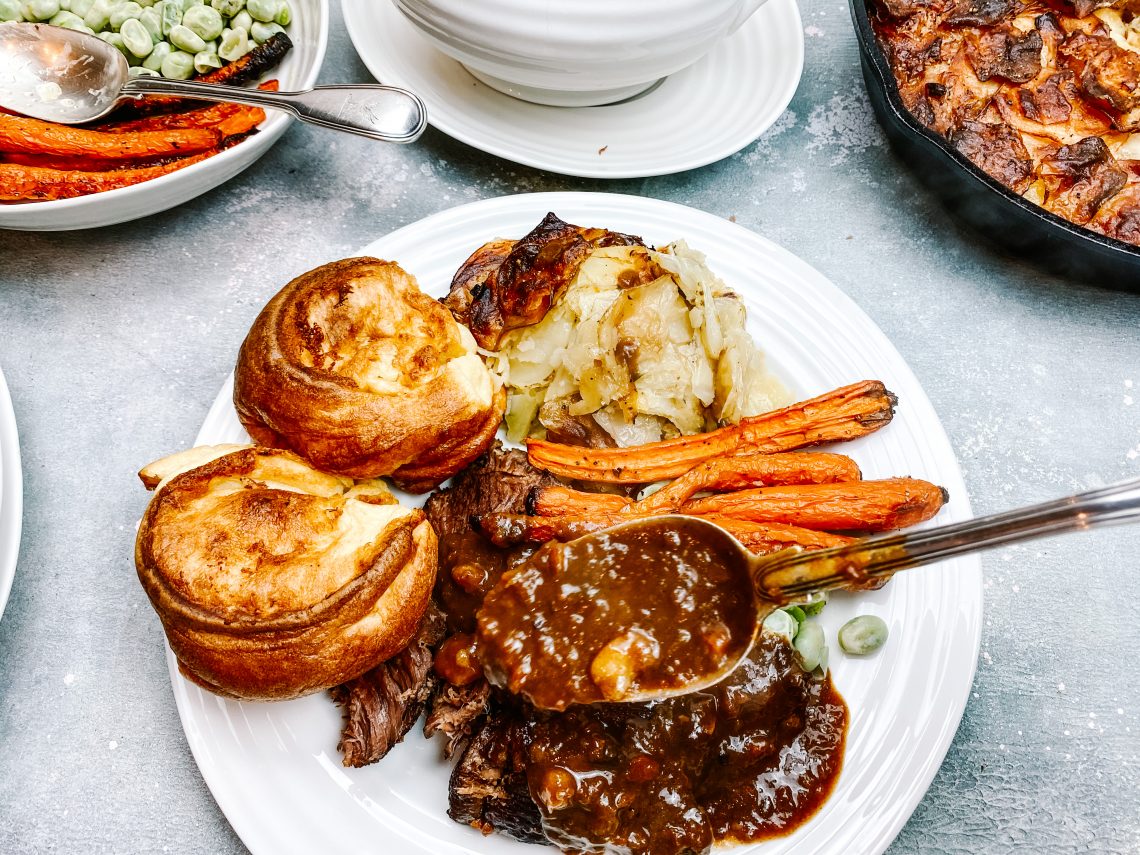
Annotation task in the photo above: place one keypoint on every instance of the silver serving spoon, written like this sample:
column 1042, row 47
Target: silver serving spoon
column 69, row 77
column 574, row 591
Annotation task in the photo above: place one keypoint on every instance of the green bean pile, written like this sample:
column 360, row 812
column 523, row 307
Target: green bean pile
column 171, row 38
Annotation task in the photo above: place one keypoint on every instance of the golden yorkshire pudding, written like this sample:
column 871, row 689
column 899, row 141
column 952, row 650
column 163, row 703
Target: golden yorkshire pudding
column 274, row 580
column 362, row 374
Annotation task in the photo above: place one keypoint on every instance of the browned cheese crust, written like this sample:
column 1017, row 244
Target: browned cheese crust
column 1044, row 96
column 362, row 374
column 273, row 580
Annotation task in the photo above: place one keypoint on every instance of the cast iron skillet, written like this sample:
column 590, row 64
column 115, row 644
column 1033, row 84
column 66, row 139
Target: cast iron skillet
column 992, row 209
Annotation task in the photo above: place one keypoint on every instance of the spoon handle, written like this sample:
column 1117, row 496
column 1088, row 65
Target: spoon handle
column 787, row 576
column 378, row 112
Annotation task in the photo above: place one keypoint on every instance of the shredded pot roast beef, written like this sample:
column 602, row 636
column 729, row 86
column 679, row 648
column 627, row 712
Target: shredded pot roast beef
column 381, row 705
column 500, row 480
column 488, row 788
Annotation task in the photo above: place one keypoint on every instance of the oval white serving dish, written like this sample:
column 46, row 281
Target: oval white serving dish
column 309, row 32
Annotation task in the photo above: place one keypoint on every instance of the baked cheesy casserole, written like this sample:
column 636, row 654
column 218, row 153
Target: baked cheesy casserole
column 1042, row 96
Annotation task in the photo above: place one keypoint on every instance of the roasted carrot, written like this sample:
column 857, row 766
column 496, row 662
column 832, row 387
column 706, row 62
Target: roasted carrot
column 752, row 470
column 80, row 164
column 19, row 134
column 762, row 538
column 203, row 117
column 254, row 64
column 241, row 122
column 842, row 414
column 864, row 506
column 34, row 183
column 554, row 500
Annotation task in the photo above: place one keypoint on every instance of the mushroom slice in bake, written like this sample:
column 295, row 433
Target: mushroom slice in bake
column 273, row 580
column 355, row 369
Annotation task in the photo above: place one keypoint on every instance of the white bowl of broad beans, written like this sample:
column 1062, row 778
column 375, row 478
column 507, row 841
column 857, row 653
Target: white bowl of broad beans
column 47, row 189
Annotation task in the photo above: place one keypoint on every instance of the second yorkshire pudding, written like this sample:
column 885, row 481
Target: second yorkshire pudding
column 362, row 374
column 273, row 580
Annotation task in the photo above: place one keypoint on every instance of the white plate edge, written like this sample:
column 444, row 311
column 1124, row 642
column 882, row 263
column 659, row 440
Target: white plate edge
column 12, row 491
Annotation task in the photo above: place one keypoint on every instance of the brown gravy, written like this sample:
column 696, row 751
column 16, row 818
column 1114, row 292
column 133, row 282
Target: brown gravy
column 604, row 618
column 752, row 758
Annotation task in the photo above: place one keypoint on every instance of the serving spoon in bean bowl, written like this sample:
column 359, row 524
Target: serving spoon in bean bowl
column 66, row 76
column 670, row 605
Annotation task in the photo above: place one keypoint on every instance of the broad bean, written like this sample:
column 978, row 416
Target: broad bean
column 862, row 635
column 41, row 10
column 64, row 19
column 781, row 623
column 810, row 644
column 170, row 16
column 179, row 65
column 205, row 21
column 235, row 44
column 263, row 10
column 228, row 8
column 154, row 59
column 262, row 32
column 206, row 60
column 152, row 21
column 185, row 38
column 114, row 39
column 124, row 12
column 136, row 38
column 98, row 15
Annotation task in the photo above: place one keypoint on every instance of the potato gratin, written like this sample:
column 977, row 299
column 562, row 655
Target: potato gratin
column 1042, row 96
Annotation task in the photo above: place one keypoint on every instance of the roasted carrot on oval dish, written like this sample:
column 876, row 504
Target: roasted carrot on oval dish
column 202, row 117
column 842, row 414
column 80, row 164
column 20, row 134
column 36, row 183
column 864, row 506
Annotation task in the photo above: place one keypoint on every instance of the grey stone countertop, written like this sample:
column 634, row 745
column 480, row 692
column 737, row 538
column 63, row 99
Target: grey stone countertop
column 115, row 342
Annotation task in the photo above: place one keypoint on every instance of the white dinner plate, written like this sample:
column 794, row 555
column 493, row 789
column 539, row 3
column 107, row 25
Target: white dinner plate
column 694, row 117
column 274, row 768
column 11, row 494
